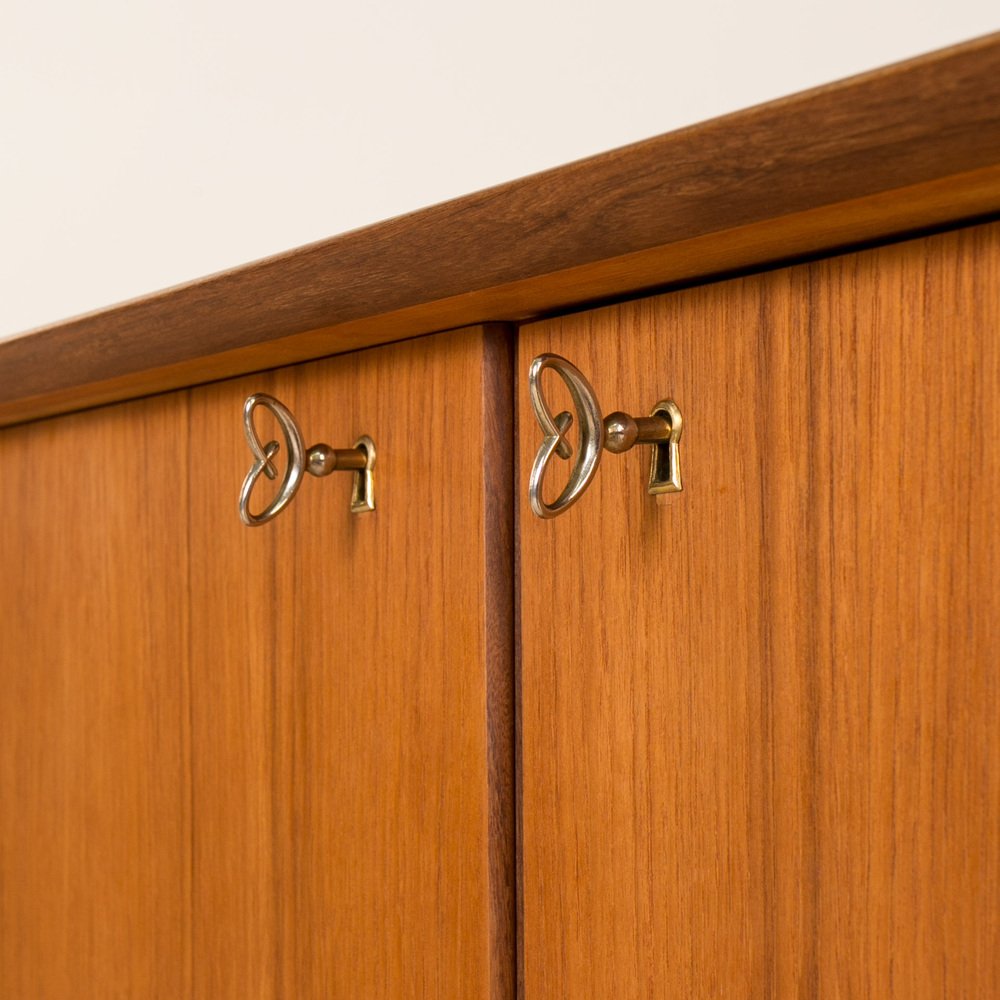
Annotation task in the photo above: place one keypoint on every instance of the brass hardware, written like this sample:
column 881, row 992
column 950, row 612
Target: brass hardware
column 555, row 428
column 262, row 459
column 617, row 432
column 665, row 465
column 363, row 489
column 319, row 460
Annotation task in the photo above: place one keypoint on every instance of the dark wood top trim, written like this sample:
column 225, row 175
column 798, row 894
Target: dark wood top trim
column 910, row 146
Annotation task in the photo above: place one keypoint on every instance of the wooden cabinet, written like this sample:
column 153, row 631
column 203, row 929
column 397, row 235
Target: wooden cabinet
column 738, row 741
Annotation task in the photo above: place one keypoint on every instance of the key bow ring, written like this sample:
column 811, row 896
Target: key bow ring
column 617, row 432
column 319, row 460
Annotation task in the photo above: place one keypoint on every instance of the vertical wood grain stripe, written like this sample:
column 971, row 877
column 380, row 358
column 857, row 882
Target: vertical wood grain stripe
column 95, row 741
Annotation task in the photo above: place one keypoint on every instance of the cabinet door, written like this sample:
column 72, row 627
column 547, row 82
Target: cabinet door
column 759, row 717
column 351, row 683
column 274, row 761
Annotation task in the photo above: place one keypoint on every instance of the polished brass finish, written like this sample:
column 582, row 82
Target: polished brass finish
column 555, row 428
column 322, row 459
column 617, row 433
column 622, row 432
column 319, row 460
column 363, row 490
column 665, row 465
column 262, row 459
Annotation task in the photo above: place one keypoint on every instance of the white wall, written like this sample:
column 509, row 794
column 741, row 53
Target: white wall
column 143, row 144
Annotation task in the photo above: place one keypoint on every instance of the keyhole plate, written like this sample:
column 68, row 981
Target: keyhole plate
column 665, row 465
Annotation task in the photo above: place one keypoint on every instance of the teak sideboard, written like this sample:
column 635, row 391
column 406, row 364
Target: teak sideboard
column 735, row 741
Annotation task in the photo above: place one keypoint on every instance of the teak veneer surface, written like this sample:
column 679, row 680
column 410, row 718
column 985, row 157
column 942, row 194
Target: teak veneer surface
column 95, row 747
column 759, row 718
column 272, row 762
column 911, row 146
column 352, row 688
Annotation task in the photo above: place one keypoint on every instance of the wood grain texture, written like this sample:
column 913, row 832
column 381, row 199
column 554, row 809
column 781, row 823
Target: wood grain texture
column 759, row 717
column 273, row 762
column 95, row 823
column 238, row 785
column 353, row 728
column 912, row 146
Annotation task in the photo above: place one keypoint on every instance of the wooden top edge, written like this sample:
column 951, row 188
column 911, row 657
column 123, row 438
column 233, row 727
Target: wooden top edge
column 876, row 149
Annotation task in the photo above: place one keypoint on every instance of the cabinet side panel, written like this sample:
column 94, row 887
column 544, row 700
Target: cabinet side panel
column 352, row 678
column 94, row 749
column 759, row 717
